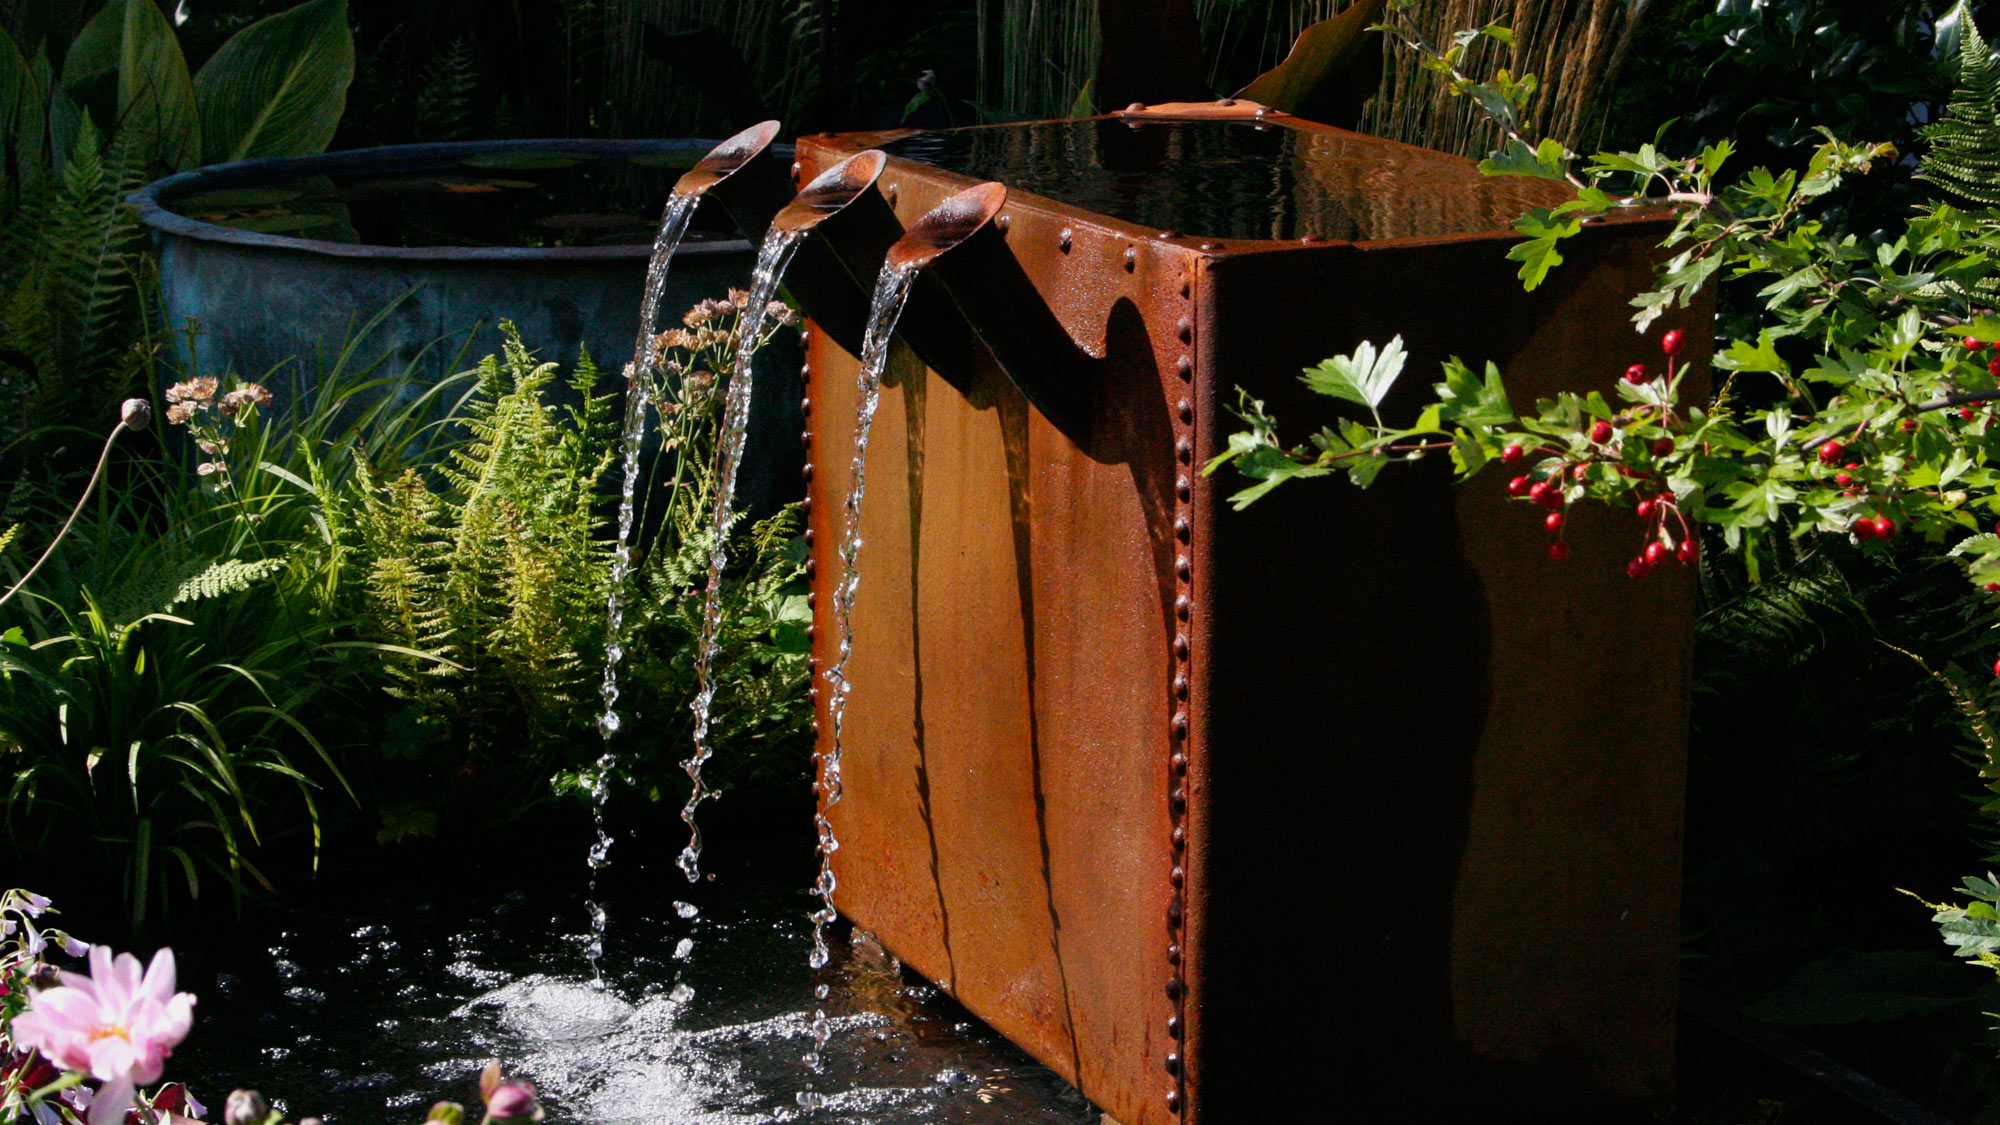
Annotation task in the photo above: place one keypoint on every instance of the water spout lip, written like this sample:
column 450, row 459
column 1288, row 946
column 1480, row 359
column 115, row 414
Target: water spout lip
column 949, row 223
column 724, row 159
column 830, row 191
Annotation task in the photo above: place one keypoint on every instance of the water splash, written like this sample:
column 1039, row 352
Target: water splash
column 892, row 292
column 772, row 258
column 673, row 224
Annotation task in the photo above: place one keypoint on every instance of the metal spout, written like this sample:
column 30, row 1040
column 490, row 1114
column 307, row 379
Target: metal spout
column 992, row 301
column 726, row 163
column 831, row 192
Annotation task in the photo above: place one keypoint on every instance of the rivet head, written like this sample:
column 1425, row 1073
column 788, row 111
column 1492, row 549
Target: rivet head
column 1186, row 409
column 1179, row 837
column 812, row 667
column 1179, row 796
column 812, row 568
column 1065, row 238
column 1179, row 763
column 1131, row 259
column 1211, row 246
column 810, row 634
column 1177, row 876
column 1003, row 222
column 890, row 191
column 1174, row 1026
column 805, row 405
column 1183, row 605
column 1265, row 111
column 1312, row 238
column 806, row 470
column 806, row 439
column 1174, row 958
column 1180, row 643
column 1173, row 1064
column 1174, row 912
column 1183, row 528
column 1180, row 724
column 1136, row 107
column 808, row 535
column 1169, row 234
column 797, row 168
column 1184, row 328
column 1184, row 489
column 1183, row 568
column 1184, row 449
column 1173, row 1101
column 812, row 598
column 1180, row 685
column 1225, row 101
column 1184, row 367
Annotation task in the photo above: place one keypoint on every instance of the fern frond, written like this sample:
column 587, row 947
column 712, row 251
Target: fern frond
column 1964, row 159
column 225, row 576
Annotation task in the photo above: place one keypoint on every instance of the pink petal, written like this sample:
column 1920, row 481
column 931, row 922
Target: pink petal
column 111, row 1102
column 159, row 980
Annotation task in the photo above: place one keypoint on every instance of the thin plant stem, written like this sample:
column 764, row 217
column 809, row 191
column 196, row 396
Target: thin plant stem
column 89, row 487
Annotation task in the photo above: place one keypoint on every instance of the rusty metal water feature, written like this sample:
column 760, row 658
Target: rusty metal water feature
column 1348, row 803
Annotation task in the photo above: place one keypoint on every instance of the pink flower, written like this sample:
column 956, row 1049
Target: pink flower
column 114, row 1024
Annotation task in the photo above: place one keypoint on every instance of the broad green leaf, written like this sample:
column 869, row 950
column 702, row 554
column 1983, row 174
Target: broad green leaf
column 22, row 109
column 91, row 64
column 155, row 94
column 1470, row 402
column 1761, row 356
column 279, row 86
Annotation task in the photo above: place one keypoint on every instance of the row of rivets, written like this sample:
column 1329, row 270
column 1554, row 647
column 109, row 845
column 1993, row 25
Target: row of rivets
column 805, row 513
column 1179, row 723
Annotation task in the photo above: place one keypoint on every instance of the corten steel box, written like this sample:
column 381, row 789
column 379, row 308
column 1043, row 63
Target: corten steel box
column 1349, row 806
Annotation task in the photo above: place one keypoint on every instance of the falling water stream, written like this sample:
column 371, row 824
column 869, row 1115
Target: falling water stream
column 892, row 291
column 772, row 258
column 673, row 224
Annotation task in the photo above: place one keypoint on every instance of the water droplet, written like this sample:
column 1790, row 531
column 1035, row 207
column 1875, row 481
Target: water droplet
column 681, row 993
column 684, row 949
column 820, row 992
column 686, row 909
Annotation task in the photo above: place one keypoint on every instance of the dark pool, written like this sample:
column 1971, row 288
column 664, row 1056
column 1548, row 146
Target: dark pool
column 1222, row 179
column 504, row 198
column 373, row 1009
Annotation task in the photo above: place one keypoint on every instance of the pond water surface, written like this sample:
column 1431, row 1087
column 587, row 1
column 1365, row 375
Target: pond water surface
column 372, row 1012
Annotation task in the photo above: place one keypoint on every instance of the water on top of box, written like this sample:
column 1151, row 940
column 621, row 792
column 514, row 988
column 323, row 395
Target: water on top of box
column 1229, row 179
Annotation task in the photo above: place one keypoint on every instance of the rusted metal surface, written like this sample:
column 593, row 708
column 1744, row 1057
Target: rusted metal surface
column 830, row 192
column 1352, row 805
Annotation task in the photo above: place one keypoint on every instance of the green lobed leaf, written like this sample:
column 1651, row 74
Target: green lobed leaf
column 1363, row 377
column 155, row 94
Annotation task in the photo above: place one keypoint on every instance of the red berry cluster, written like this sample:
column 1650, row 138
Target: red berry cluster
column 1668, row 533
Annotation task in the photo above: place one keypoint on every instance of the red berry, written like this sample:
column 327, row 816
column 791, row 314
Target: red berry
column 1993, row 367
column 1852, row 465
column 1885, row 528
column 1636, row 373
column 1559, row 550
column 1600, row 431
column 1864, row 528
column 1974, row 343
column 1965, row 413
column 1518, row 486
column 1672, row 341
column 1842, row 479
column 1908, row 424
column 1645, row 509
column 1656, row 553
column 1662, row 446
column 1993, row 587
column 1688, row 552
column 1554, row 522
column 1552, row 499
column 1830, row 452
column 1537, row 490
column 1512, row 454
column 1996, row 667
column 1637, row 568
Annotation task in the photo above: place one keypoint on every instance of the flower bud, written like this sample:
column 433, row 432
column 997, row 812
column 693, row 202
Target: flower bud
column 446, row 1113
column 245, row 1107
column 513, row 1100
column 136, row 413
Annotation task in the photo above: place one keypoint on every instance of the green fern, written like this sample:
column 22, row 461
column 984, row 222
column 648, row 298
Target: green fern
column 1964, row 159
column 442, row 108
column 225, row 576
